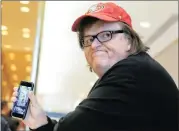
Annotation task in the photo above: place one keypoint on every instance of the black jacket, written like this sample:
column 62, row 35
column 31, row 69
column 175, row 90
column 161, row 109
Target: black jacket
column 137, row 93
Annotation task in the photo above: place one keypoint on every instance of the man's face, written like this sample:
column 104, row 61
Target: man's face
column 102, row 56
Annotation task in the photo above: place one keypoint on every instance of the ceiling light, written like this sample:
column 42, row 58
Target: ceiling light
column 25, row 30
column 24, row 9
column 28, row 57
column 13, row 67
column 145, row 24
column 26, row 35
column 7, row 46
column 15, row 77
column 4, row 32
column 3, row 27
column 27, row 48
column 28, row 69
column 11, row 56
column 24, row 2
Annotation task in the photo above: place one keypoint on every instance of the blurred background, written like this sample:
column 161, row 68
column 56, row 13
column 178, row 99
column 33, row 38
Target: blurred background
column 39, row 46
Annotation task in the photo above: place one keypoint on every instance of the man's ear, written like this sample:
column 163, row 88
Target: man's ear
column 128, row 47
column 128, row 39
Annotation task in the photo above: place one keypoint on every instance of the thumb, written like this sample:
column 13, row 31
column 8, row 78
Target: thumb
column 32, row 98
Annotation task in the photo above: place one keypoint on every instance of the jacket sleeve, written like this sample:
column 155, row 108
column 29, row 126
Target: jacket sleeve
column 105, row 104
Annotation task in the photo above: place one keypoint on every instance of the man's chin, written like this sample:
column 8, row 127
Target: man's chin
column 99, row 63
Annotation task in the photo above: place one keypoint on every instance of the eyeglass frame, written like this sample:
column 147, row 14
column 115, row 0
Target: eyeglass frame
column 96, row 36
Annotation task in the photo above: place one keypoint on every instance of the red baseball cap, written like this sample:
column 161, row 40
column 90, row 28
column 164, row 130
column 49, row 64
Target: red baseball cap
column 104, row 11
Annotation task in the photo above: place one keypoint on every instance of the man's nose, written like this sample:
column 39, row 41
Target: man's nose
column 95, row 43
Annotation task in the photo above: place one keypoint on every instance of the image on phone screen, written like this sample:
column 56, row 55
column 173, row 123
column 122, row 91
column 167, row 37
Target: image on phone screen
column 21, row 105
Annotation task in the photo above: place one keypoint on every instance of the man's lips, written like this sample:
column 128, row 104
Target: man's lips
column 95, row 53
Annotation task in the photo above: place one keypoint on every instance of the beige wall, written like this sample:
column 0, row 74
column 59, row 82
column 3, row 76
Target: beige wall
column 169, row 59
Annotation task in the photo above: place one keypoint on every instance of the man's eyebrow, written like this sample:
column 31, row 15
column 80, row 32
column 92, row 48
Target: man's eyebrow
column 90, row 35
column 102, row 31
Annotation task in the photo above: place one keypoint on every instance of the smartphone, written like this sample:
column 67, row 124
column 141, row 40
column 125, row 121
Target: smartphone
column 20, row 106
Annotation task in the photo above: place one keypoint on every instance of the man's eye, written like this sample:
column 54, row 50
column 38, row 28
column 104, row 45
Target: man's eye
column 106, row 35
column 90, row 40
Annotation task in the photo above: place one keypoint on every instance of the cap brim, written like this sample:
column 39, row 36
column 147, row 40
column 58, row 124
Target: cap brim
column 98, row 16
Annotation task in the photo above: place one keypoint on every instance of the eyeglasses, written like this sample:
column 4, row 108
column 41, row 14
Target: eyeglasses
column 101, row 37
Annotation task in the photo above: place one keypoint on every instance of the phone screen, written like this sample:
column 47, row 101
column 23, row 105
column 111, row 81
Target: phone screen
column 21, row 105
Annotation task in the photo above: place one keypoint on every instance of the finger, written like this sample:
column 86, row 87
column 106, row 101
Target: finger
column 32, row 98
column 13, row 99
column 15, row 88
column 15, row 94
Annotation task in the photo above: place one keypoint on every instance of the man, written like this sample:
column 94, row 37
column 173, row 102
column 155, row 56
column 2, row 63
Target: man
column 133, row 92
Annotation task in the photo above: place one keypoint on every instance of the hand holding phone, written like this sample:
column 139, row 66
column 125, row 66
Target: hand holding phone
column 26, row 106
